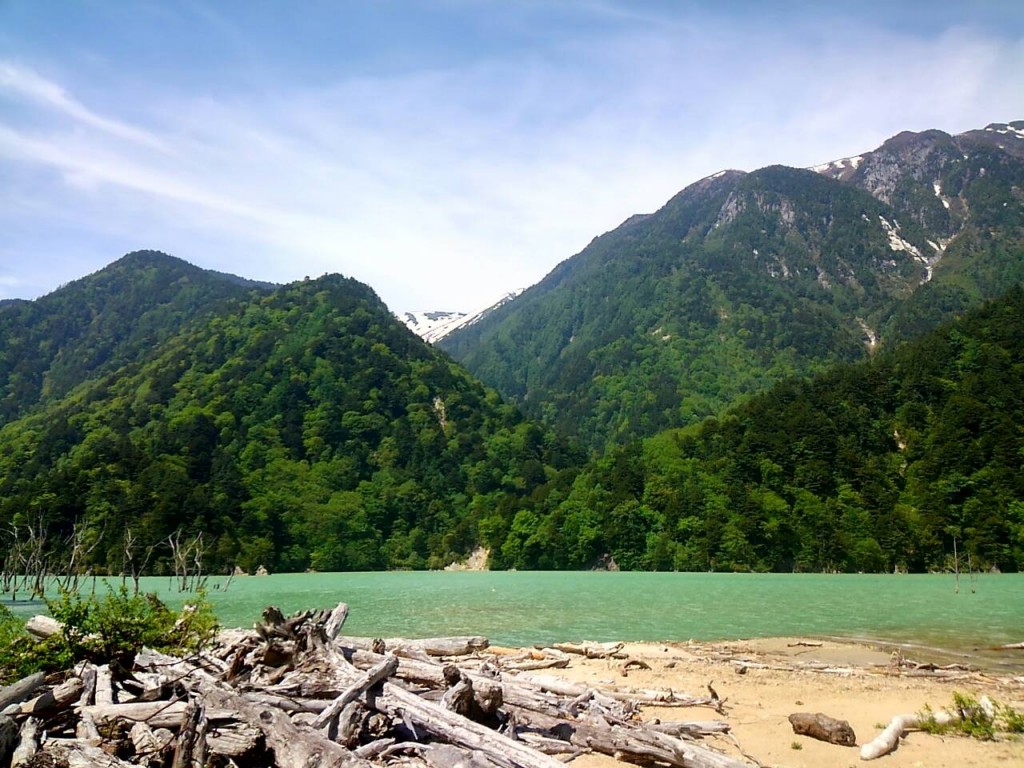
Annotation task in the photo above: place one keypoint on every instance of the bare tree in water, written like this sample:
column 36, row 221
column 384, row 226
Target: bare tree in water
column 187, row 557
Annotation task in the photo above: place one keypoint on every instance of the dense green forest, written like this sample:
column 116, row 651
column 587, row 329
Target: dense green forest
column 742, row 280
column 298, row 428
column 99, row 323
column 305, row 428
column 876, row 466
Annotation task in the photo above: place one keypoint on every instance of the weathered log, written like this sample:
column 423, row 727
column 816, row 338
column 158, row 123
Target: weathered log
column 87, row 673
column 592, row 650
column 145, row 742
column 633, row 664
column 432, row 646
column 104, row 685
column 551, row 746
column 61, row 697
column 657, row 698
column 440, row 722
column 158, row 714
column 187, row 743
column 632, row 741
column 290, row 745
column 374, row 749
column 234, row 740
column 76, row 754
column 690, row 728
column 1010, row 647
column 28, row 743
column 23, row 689
column 371, row 677
column 820, row 726
column 86, row 730
column 535, row 664
column 447, row 756
column 289, row 704
column 886, row 741
column 334, row 623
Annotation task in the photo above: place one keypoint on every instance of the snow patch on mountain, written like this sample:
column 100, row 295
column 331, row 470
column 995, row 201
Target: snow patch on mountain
column 898, row 243
column 838, row 166
column 1006, row 130
column 937, row 186
column 432, row 326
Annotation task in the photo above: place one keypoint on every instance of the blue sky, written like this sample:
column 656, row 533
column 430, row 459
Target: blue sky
column 445, row 151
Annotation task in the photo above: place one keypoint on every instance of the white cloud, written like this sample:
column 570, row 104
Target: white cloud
column 438, row 187
column 29, row 84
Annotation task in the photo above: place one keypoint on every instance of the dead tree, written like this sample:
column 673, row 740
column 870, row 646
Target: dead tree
column 187, row 557
column 130, row 562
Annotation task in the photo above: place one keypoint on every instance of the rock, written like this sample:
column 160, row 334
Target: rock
column 824, row 728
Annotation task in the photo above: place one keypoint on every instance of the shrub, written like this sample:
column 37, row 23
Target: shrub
column 110, row 629
column 974, row 720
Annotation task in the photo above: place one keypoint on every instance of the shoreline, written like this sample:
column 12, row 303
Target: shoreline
column 764, row 680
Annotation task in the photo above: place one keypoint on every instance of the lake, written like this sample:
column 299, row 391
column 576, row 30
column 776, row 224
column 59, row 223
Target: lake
column 526, row 607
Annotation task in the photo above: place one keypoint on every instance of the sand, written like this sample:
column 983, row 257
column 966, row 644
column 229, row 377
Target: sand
column 862, row 685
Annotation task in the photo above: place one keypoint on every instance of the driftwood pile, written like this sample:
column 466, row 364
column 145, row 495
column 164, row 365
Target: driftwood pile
column 295, row 693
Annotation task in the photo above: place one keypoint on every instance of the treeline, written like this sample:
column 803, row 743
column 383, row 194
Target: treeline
column 300, row 428
column 890, row 464
column 305, row 428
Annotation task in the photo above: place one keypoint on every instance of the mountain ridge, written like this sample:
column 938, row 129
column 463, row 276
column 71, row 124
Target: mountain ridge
column 752, row 277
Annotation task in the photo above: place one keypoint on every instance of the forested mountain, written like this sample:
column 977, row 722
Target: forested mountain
column 746, row 279
column 101, row 322
column 875, row 466
column 303, row 426
column 300, row 427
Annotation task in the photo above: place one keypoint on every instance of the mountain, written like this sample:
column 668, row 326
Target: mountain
column 97, row 324
column 296, row 427
column 435, row 325
column 744, row 279
column 909, row 460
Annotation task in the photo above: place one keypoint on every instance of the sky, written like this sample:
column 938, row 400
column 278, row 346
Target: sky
column 443, row 151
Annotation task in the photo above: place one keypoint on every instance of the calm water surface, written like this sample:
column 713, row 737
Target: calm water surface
column 523, row 608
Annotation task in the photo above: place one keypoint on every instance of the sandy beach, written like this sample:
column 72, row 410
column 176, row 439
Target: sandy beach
column 763, row 681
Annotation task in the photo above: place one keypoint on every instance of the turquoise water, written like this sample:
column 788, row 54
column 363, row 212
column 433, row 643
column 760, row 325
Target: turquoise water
column 522, row 608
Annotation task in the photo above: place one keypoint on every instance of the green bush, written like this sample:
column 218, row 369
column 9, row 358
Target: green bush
column 112, row 628
column 972, row 719
column 20, row 655
column 118, row 625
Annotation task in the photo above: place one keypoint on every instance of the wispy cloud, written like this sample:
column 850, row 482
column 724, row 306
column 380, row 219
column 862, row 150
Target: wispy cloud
column 443, row 186
column 27, row 83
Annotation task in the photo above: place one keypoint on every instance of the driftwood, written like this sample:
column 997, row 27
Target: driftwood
column 58, row 698
column 886, row 741
column 434, row 646
column 15, row 693
column 823, row 728
column 28, row 743
column 295, row 692
column 592, row 650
